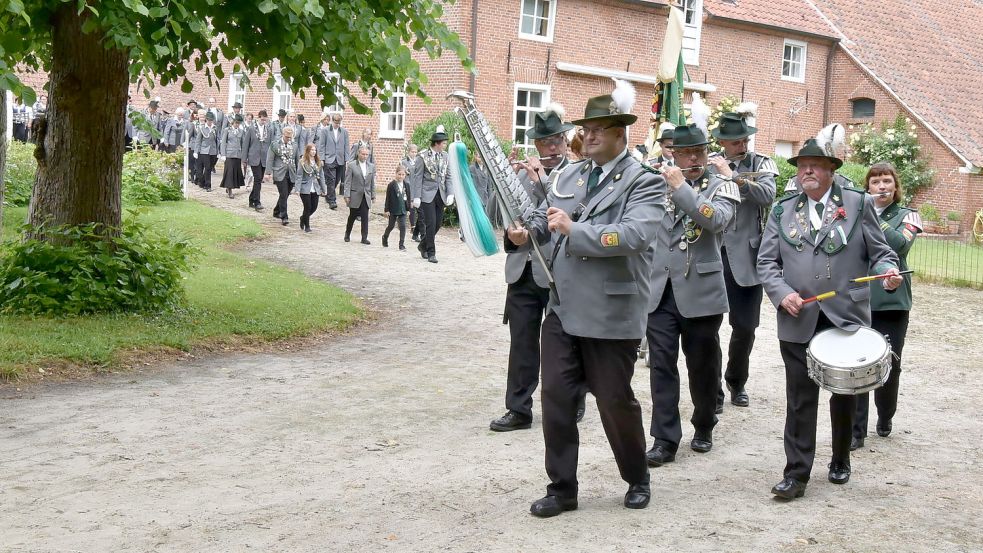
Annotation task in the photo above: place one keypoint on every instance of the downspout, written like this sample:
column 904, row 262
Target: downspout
column 474, row 41
column 829, row 80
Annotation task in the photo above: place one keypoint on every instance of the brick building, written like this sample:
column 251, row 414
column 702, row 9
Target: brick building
column 806, row 63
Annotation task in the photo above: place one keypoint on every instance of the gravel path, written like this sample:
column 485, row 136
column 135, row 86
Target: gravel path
column 378, row 439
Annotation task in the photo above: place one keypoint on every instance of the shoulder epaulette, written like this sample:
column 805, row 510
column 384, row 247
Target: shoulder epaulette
column 854, row 189
column 788, row 196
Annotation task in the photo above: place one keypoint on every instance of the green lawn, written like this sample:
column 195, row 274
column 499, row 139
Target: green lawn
column 947, row 261
column 229, row 296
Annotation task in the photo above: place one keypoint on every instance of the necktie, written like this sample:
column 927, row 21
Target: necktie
column 593, row 180
column 820, row 210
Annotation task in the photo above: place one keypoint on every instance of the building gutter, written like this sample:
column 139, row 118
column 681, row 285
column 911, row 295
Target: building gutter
column 777, row 29
column 829, row 80
column 474, row 43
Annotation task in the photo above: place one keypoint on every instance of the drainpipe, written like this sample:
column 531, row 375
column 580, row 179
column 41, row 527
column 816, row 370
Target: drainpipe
column 829, row 80
column 474, row 41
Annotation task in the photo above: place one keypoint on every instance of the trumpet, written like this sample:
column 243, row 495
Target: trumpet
column 541, row 159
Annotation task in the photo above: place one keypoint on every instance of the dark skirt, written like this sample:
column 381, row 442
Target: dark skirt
column 232, row 176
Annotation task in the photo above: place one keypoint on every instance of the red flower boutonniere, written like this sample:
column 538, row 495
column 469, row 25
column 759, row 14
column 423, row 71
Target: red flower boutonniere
column 840, row 214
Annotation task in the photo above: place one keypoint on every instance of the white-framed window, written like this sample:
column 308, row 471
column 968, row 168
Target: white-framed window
column 784, row 148
column 392, row 122
column 338, row 106
column 537, row 19
column 282, row 95
column 529, row 100
column 692, row 29
column 794, row 61
column 237, row 89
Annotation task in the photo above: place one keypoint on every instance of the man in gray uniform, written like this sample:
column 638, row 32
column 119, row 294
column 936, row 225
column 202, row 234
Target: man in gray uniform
column 430, row 186
column 282, row 160
column 528, row 292
column 817, row 242
column 332, row 147
column 742, row 237
column 689, row 296
column 599, row 221
column 259, row 138
column 206, row 148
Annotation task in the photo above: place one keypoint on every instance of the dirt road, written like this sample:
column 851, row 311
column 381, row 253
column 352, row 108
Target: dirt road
column 378, row 440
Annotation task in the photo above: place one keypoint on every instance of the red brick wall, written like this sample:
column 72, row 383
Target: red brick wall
column 952, row 190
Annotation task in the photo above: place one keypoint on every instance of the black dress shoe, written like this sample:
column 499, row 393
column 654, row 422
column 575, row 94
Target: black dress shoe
column 258, row 207
column 659, row 455
column 739, row 398
column 839, row 472
column 638, row 496
column 789, row 488
column 416, row 239
column 402, row 248
column 419, row 248
column 856, row 443
column 284, row 221
column 385, row 243
column 432, row 259
column 884, row 428
column 348, row 239
column 510, row 421
column 702, row 442
column 551, row 505
column 366, row 242
column 581, row 411
column 333, row 206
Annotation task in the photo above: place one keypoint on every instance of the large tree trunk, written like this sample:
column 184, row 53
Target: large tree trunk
column 80, row 150
column 3, row 153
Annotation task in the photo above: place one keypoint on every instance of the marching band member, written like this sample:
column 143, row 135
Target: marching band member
column 279, row 124
column 600, row 217
column 665, row 157
column 741, row 239
column 332, row 146
column 528, row 290
column 889, row 312
column 430, row 185
column 688, row 295
column 206, row 147
column 815, row 242
column 21, row 117
column 232, row 149
column 174, row 131
column 259, row 139
column 365, row 141
column 359, row 192
column 152, row 116
column 416, row 221
column 311, row 185
column 833, row 138
column 282, row 160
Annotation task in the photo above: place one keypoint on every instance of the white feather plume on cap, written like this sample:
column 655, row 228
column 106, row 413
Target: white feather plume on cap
column 557, row 108
column 440, row 129
column 747, row 109
column 700, row 112
column 623, row 96
column 832, row 139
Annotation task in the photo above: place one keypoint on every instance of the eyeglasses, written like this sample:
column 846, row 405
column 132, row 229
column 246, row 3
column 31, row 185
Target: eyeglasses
column 554, row 140
column 690, row 152
column 597, row 130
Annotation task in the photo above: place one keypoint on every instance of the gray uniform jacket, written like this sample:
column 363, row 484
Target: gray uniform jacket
column 698, row 215
column 515, row 261
column 174, row 132
column 602, row 269
column 193, row 135
column 424, row 183
column 219, row 118
column 207, row 140
column 283, row 166
column 233, row 142
column 358, row 187
column 742, row 237
column 849, row 245
column 156, row 121
column 257, row 145
column 303, row 136
column 333, row 152
column 483, row 182
column 353, row 154
column 311, row 179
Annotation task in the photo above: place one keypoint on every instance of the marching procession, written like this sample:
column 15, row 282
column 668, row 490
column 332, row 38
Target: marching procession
column 629, row 252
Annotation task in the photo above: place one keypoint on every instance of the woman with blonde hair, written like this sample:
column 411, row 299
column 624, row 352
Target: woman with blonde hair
column 311, row 184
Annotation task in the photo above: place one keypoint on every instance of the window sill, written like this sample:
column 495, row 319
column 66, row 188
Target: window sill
column 537, row 38
column 392, row 135
column 794, row 80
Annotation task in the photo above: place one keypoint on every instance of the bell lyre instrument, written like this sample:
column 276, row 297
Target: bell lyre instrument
column 512, row 196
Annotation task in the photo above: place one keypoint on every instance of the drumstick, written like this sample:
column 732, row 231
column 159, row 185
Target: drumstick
column 875, row 277
column 820, row 297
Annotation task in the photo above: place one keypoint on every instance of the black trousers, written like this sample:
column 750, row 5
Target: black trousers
column 207, row 162
column 334, row 176
column 393, row 220
column 801, row 412
column 893, row 324
column 606, row 368
column 744, row 318
column 362, row 211
column 701, row 345
column 310, row 206
column 193, row 167
column 254, row 194
column 19, row 132
column 433, row 217
column 284, row 188
column 416, row 223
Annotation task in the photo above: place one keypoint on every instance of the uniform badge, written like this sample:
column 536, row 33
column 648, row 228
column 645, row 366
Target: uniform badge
column 793, row 233
column 908, row 235
column 580, row 182
column 610, row 240
column 617, row 177
column 836, row 198
column 706, row 210
column 683, row 246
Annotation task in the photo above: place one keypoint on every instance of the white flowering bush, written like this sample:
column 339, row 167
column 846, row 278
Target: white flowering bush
column 727, row 103
column 896, row 142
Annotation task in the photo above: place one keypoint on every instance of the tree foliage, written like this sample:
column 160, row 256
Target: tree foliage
column 312, row 43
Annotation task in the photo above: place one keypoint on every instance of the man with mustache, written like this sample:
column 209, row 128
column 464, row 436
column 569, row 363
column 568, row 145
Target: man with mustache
column 815, row 242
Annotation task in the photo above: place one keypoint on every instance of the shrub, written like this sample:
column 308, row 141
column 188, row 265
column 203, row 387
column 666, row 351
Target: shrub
column 79, row 270
column 954, row 216
column 727, row 103
column 929, row 213
column 19, row 175
column 897, row 143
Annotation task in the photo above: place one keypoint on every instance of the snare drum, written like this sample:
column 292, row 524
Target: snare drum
column 849, row 362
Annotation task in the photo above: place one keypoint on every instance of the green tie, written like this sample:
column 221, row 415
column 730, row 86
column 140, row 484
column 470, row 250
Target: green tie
column 820, row 209
column 592, row 180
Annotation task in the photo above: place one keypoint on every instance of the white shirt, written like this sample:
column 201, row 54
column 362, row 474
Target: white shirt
column 609, row 166
column 361, row 165
column 880, row 210
column 817, row 221
column 335, row 130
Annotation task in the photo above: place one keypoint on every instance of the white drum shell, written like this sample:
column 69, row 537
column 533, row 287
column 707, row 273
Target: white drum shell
column 849, row 363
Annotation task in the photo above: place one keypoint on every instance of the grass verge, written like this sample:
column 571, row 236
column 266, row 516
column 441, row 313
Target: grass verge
column 230, row 298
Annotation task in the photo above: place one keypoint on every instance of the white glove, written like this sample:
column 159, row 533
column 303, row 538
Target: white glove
column 416, row 202
column 195, row 154
column 450, row 199
column 221, row 158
